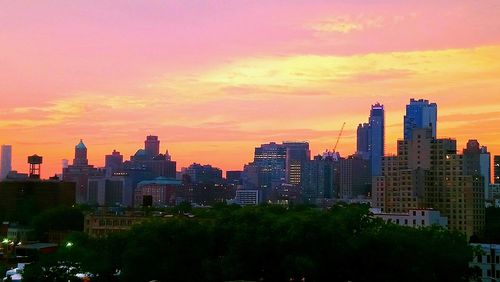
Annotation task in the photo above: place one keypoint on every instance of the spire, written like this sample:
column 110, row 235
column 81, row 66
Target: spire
column 81, row 145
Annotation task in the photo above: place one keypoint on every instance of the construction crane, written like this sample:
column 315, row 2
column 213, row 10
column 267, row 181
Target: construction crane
column 338, row 138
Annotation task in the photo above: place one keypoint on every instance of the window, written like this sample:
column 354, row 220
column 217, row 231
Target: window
column 480, row 258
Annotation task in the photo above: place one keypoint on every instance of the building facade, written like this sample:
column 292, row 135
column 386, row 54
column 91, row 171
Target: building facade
column 427, row 173
column 159, row 192
column 354, row 177
column 413, row 218
column 488, row 262
column 21, row 197
column 247, row 197
column 319, row 179
column 270, row 161
column 100, row 224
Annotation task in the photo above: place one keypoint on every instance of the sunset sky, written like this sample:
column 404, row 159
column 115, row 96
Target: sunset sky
column 214, row 79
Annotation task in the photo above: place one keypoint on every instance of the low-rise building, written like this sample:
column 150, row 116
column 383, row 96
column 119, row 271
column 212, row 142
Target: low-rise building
column 18, row 233
column 488, row 262
column 100, row 224
column 413, row 218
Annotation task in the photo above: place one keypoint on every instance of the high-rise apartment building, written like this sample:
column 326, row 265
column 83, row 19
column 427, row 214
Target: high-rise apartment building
column 318, row 179
column 297, row 153
column 428, row 173
column 363, row 141
column 6, row 159
column 354, row 177
column 477, row 162
column 376, row 137
column 420, row 114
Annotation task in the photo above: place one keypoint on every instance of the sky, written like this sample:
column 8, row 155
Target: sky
column 214, row 79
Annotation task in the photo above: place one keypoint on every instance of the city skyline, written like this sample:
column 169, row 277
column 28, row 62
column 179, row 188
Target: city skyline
column 214, row 81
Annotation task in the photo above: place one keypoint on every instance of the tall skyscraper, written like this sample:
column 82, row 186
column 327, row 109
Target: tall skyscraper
column 297, row 153
column 363, row 139
column 152, row 146
column 420, row 114
column 6, row 156
column 376, row 137
column 496, row 169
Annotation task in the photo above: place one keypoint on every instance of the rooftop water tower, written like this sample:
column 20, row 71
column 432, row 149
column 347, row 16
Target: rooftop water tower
column 35, row 162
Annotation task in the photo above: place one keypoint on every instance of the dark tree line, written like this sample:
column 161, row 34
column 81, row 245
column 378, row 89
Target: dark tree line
column 266, row 243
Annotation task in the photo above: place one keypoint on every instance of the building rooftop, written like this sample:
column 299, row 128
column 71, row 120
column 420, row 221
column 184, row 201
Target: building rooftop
column 161, row 181
column 37, row 246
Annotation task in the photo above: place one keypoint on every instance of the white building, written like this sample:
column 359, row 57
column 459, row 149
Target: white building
column 247, row 197
column 6, row 165
column 488, row 262
column 414, row 218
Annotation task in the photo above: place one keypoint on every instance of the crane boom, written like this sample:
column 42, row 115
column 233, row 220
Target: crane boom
column 338, row 138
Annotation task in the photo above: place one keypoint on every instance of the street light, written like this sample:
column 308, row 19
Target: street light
column 69, row 245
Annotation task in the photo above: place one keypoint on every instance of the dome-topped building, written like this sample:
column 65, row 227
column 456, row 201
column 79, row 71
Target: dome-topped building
column 79, row 173
column 80, row 154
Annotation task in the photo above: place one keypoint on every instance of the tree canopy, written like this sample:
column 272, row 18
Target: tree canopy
column 269, row 243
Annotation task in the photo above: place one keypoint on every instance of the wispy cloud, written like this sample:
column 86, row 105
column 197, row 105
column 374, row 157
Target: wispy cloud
column 347, row 24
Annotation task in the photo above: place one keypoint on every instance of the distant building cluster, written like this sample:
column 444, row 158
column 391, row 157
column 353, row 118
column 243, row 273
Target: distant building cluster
column 427, row 173
column 428, row 181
